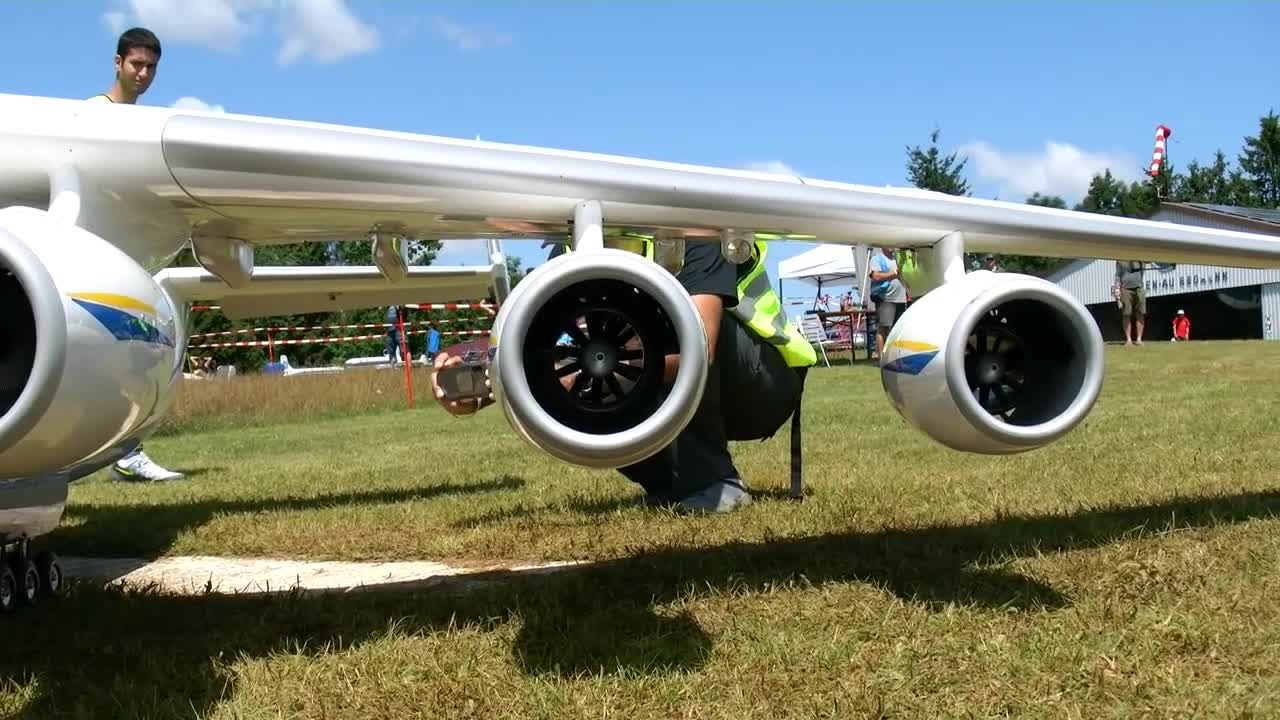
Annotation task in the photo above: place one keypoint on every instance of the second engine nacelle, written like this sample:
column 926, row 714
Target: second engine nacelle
column 88, row 345
column 579, row 358
column 994, row 363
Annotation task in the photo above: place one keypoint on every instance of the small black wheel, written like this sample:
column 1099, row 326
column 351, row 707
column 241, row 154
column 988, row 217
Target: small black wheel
column 28, row 583
column 51, row 581
column 8, row 589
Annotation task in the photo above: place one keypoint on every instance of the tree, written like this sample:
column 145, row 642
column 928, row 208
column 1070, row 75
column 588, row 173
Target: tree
column 1142, row 199
column 930, row 170
column 514, row 271
column 1217, row 184
column 353, row 252
column 1052, row 201
column 1106, row 195
column 1260, row 161
column 420, row 252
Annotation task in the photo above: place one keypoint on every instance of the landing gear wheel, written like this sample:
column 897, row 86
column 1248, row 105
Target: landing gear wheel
column 28, row 583
column 50, row 571
column 8, row 589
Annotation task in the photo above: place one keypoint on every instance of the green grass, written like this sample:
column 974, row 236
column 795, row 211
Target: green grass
column 1130, row 569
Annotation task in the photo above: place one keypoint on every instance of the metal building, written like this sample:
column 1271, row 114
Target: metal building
column 1222, row 302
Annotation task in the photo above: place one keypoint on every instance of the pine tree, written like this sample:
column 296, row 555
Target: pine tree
column 1260, row 161
column 1052, row 201
column 930, row 170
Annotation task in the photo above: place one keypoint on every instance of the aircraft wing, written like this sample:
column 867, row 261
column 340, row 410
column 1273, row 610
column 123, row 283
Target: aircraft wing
column 265, row 180
column 279, row 178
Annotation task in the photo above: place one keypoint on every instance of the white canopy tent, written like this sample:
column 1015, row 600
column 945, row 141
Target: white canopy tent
column 826, row 265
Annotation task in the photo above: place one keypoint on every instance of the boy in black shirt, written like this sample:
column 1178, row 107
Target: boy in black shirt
column 750, row 393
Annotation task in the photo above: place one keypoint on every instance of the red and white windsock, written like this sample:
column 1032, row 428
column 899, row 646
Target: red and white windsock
column 1157, row 155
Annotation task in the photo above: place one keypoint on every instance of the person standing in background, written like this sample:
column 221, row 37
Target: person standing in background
column 397, row 347
column 888, row 293
column 1181, row 327
column 137, row 58
column 1131, row 292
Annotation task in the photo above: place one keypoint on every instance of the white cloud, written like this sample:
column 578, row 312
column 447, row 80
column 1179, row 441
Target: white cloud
column 114, row 20
column 1058, row 169
column 771, row 166
column 218, row 25
column 469, row 38
column 194, row 103
column 325, row 30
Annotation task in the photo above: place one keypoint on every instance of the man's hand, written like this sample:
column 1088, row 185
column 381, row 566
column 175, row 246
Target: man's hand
column 456, row 407
column 710, row 309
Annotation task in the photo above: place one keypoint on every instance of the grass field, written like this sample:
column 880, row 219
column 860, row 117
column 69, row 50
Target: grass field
column 1129, row 570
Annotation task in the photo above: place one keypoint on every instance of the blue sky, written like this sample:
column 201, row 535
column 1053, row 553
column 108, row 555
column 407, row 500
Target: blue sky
column 1038, row 95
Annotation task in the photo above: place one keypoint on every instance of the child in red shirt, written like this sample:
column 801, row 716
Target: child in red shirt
column 1181, row 327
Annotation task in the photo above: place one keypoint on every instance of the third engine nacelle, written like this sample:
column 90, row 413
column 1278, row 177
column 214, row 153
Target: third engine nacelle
column 994, row 363
column 580, row 351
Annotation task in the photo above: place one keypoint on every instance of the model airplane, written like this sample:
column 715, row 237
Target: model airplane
column 96, row 199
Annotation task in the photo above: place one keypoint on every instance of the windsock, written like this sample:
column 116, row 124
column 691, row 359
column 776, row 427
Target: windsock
column 1157, row 155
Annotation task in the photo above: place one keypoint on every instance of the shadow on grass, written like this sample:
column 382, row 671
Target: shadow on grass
column 576, row 507
column 129, row 654
column 149, row 530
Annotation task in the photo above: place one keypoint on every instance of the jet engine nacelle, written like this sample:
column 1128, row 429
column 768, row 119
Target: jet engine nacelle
column 994, row 363
column 580, row 351
column 89, row 344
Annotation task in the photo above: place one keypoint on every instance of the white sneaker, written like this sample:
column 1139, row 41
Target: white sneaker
column 140, row 468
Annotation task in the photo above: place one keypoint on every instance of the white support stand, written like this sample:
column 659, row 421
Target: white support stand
column 229, row 259
column 668, row 250
column 390, row 254
column 736, row 246
column 501, row 278
column 588, row 226
column 64, row 194
column 862, row 266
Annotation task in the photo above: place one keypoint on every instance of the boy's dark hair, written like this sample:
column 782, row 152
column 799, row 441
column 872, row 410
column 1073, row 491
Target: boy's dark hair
column 137, row 38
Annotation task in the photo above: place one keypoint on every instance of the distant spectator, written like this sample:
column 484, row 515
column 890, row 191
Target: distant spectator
column 1131, row 293
column 1181, row 327
column 395, row 344
column 888, row 293
column 433, row 344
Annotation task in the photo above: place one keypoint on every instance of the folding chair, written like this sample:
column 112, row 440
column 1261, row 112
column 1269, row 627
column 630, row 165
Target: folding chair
column 813, row 331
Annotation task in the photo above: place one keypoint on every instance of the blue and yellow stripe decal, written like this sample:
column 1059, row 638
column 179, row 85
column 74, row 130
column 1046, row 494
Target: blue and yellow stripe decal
column 126, row 318
column 913, row 357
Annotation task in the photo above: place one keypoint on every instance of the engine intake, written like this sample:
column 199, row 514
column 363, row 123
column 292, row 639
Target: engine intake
column 994, row 363
column 581, row 346
column 29, row 370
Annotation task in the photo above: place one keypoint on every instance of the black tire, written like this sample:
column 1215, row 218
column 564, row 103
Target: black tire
column 52, row 581
column 28, row 584
column 8, row 589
